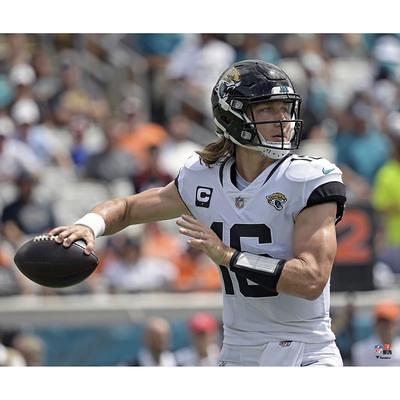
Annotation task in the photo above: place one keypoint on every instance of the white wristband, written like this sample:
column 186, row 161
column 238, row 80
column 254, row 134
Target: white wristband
column 93, row 221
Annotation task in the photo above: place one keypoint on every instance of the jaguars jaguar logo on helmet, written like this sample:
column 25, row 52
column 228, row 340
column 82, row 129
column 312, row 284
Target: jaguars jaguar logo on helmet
column 232, row 75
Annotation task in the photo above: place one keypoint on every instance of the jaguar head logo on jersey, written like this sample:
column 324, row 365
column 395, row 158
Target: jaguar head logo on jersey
column 277, row 200
column 203, row 196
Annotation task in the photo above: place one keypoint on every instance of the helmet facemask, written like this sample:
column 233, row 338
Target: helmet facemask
column 288, row 133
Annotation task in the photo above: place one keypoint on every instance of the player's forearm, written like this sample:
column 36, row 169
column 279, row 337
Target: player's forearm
column 114, row 213
column 144, row 207
column 299, row 277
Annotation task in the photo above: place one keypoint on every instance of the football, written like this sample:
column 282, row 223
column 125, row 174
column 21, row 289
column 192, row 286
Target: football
column 49, row 263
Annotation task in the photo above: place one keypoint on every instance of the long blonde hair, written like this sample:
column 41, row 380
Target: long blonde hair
column 217, row 152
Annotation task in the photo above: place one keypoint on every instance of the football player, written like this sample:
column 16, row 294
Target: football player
column 265, row 216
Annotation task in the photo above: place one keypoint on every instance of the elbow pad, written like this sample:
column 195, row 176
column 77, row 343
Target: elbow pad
column 263, row 270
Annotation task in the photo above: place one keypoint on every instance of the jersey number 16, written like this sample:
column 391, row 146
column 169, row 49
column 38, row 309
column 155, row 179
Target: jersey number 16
column 260, row 231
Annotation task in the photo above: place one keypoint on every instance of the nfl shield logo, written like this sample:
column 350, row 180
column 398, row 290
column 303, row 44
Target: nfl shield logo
column 378, row 350
column 239, row 202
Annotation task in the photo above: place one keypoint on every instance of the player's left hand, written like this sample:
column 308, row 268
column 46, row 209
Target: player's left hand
column 205, row 239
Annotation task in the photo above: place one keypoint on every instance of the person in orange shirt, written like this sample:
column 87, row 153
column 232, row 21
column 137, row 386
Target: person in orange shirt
column 160, row 243
column 138, row 135
column 195, row 272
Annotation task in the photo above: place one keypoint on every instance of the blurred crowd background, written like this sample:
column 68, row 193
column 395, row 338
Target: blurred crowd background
column 87, row 117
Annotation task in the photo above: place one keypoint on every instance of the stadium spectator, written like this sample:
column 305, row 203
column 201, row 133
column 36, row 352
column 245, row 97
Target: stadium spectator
column 130, row 271
column 255, row 46
column 25, row 114
column 137, row 133
column 179, row 145
column 204, row 350
column 156, row 343
column 343, row 326
column 12, row 281
column 151, row 174
column 353, row 144
column 16, row 157
column 74, row 96
column 47, row 79
column 6, row 93
column 112, row 162
column 22, row 77
column 366, row 353
column 80, row 151
column 193, row 67
column 37, row 135
column 160, row 243
column 9, row 284
column 156, row 49
column 10, row 357
column 17, row 50
column 25, row 214
column 31, row 347
column 195, row 272
column 318, row 143
column 386, row 198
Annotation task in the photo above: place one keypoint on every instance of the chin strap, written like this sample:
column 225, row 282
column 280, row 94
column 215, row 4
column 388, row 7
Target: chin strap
column 275, row 154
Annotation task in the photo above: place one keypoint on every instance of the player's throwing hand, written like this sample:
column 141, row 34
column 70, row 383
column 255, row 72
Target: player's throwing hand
column 69, row 234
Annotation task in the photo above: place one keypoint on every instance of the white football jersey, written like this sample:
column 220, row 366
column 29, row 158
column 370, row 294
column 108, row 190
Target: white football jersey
column 260, row 220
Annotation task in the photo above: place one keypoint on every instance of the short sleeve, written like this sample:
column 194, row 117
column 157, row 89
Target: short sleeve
column 333, row 191
column 319, row 181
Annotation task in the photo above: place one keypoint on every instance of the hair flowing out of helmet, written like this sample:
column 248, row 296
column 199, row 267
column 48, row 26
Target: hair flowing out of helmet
column 238, row 89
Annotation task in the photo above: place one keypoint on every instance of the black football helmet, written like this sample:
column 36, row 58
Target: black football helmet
column 246, row 83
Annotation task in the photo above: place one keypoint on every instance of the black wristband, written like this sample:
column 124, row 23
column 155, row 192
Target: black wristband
column 263, row 270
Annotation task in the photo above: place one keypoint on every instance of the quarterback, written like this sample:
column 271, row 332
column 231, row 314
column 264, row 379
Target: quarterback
column 264, row 215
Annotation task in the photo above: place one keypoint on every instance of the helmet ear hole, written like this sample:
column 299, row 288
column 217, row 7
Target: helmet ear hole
column 246, row 135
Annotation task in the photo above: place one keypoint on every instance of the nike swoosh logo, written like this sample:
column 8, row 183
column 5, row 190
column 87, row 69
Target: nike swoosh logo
column 326, row 171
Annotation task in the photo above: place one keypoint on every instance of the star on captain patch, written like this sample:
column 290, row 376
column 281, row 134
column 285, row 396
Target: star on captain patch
column 277, row 200
column 239, row 202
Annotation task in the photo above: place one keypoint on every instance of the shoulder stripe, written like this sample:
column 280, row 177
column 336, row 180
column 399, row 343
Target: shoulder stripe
column 176, row 182
column 221, row 172
column 233, row 174
column 179, row 193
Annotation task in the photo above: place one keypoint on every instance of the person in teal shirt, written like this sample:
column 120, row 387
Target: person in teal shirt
column 363, row 149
